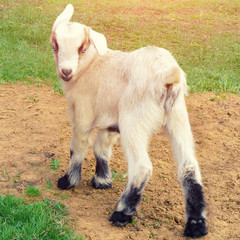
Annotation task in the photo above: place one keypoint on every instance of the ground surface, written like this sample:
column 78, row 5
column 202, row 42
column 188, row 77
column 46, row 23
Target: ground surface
column 33, row 122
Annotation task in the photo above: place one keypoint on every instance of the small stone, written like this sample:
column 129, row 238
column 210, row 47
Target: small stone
column 48, row 155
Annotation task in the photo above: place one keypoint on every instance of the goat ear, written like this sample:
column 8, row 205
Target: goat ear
column 99, row 41
column 64, row 16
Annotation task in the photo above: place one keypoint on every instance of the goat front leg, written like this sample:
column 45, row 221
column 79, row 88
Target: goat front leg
column 78, row 148
column 178, row 129
column 102, row 151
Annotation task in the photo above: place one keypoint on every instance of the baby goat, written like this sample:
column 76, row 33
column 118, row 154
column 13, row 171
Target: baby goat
column 127, row 94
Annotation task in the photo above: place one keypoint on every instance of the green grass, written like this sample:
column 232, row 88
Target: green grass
column 54, row 164
column 39, row 220
column 25, row 54
column 32, row 191
column 49, row 184
column 117, row 177
column 203, row 35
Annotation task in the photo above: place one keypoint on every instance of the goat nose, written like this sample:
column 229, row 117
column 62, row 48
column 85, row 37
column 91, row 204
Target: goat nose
column 66, row 72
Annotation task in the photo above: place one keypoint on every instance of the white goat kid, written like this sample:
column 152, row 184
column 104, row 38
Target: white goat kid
column 127, row 94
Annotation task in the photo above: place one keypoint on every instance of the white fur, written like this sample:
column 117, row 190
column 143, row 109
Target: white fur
column 99, row 41
column 137, row 91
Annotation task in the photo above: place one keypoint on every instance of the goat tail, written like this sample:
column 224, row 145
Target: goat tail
column 172, row 76
column 175, row 77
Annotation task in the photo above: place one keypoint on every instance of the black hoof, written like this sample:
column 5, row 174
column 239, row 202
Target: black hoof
column 98, row 185
column 63, row 183
column 195, row 228
column 120, row 219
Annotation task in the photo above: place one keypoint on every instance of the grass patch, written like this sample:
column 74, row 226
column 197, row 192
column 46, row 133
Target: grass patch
column 49, row 184
column 38, row 220
column 32, row 191
column 25, row 54
column 117, row 177
column 54, row 163
column 203, row 35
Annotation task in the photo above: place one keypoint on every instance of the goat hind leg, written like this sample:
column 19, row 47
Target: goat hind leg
column 178, row 128
column 138, row 176
column 139, row 171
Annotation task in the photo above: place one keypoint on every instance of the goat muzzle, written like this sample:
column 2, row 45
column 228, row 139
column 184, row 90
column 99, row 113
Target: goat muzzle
column 66, row 74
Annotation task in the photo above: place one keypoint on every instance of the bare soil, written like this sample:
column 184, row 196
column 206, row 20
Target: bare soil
column 34, row 123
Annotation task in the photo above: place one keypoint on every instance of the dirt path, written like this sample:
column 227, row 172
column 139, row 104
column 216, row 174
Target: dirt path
column 33, row 121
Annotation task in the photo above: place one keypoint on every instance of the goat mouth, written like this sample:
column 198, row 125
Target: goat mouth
column 66, row 79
